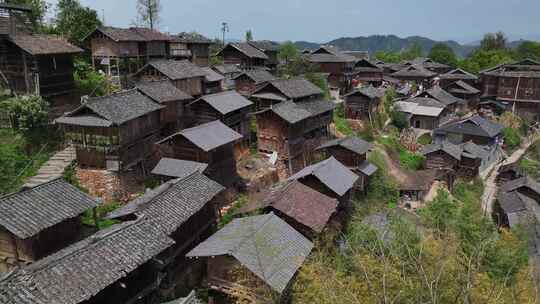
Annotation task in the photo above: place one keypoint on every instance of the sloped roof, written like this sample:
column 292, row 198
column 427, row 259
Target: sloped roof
column 369, row 91
column 209, row 136
column 173, row 203
column 427, row 63
column 442, row 96
column 330, row 54
column 414, row 71
column 520, row 209
column 211, row 75
column 296, row 112
column 331, row 173
column 31, row 211
column 150, row 35
column 265, row 244
column 416, row 109
column 246, row 49
column 523, row 68
column 15, row 7
column 476, row 125
column 523, row 182
column 185, row 37
column 293, row 88
column 258, row 76
column 512, row 167
column 367, row 168
column 176, row 70
column 227, row 69
column 461, row 87
column 117, row 108
column 136, row 34
column 162, row 91
column 226, row 102
column 426, row 102
column 178, row 168
column 351, row 143
column 458, row 74
column 190, row 299
column 82, row 270
column 448, row 147
column 265, row 45
column 296, row 200
column 44, row 45
column 421, row 181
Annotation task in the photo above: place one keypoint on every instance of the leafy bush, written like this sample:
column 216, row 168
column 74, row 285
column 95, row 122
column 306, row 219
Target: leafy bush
column 425, row 139
column 26, row 112
column 411, row 161
column 230, row 214
column 399, row 120
column 101, row 212
column 512, row 139
column 90, row 82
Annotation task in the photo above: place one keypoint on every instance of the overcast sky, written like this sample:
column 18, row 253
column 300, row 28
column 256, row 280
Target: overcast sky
column 324, row 20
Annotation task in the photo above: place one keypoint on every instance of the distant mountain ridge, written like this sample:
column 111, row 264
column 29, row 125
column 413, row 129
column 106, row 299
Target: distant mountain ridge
column 392, row 43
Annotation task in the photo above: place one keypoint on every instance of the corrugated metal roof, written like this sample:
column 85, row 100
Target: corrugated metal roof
column 265, row 244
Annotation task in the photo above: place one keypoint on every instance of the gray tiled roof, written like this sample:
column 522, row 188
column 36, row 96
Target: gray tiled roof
column 330, row 54
column 519, row 208
column 265, row 45
column 173, row 203
column 461, row 87
column 80, row 271
column 44, row 45
column 426, row 63
column 296, row 112
column 524, row 182
column 118, row 108
column 258, row 76
column 476, row 125
column 162, row 91
column 176, row 70
column 84, row 121
column 370, row 92
column 121, row 34
column 293, row 88
column 448, row 147
column 414, row 71
column 426, row 102
column 227, row 69
column 351, row 143
column 416, row 109
column 331, row 173
column 442, row 96
column 178, row 168
column 209, row 136
column 211, row 75
column 458, row 74
column 367, row 168
column 226, row 102
column 248, row 50
column 264, row 244
column 192, row 37
column 31, row 211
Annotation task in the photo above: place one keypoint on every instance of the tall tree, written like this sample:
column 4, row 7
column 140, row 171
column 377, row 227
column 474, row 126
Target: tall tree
column 75, row 21
column 529, row 49
column 493, row 41
column 249, row 35
column 442, row 53
column 37, row 14
column 149, row 11
column 414, row 51
column 288, row 51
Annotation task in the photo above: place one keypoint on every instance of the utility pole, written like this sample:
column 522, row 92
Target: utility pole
column 224, row 29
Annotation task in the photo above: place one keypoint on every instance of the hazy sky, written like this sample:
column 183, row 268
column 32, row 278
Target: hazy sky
column 324, row 20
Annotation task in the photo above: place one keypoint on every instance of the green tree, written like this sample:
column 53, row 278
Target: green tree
column 75, row 21
column 528, row 49
column 414, row 51
column 481, row 60
column 493, row 41
column 388, row 57
column 399, row 120
column 149, row 12
column 288, row 52
column 38, row 10
column 90, row 82
column 441, row 52
column 26, row 112
column 249, row 35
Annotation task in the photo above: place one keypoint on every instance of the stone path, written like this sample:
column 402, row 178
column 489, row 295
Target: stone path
column 53, row 168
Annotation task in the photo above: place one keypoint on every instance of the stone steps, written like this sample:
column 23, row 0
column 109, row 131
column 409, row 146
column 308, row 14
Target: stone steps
column 53, row 168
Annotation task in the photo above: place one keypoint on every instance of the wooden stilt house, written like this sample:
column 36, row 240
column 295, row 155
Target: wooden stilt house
column 248, row 81
column 457, row 75
column 243, row 55
column 362, row 104
column 275, row 91
column 191, row 46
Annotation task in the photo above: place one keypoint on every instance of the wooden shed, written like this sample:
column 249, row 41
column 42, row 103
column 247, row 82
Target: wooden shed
column 339, row 66
column 191, row 46
column 279, row 90
column 114, row 132
column 479, row 130
column 213, row 81
column 444, row 155
column 422, row 113
column 270, row 49
column 230, row 253
column 243, row 55
column 362, row 103
column 451, row 103
column 173, row 114
column 211, row 143
column 185, row 76
column 231, row 108
column 368, row 73
column 38, row 221
column 248, row 81
column 510, row 172
column 457, row 75
column 465, row 91
column 524, row 185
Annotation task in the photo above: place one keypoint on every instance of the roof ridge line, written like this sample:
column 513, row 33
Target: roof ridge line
column 32, row 188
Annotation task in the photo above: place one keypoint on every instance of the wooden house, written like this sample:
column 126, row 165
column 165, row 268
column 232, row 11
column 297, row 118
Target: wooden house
column 416, row 188
column 168, row 169
column 14, row 19
column 476, row 129
column 185, row 76
column 515, row 210
column 305, row 209
column 422, row 113
column 191, row 46
column 39, row 221
column 270, row 49
column 213, row 81
column 230, row 253
column 114, row 132
column 119, row 264
column 367, row 73
column 230, row 72
column 185, row 209
column 444, row 155
column 40, row 65
column 476, row 159
column 275, row 91
column 509, row 172
column 429, row 64
column 173, row 100
column 248, row 81
column 352, row 152
column 211, row 143
column 517, row 83
column 339, row 66
column 243, row 55
column 457, row 75
column 363, row 103
column 294, row 130
column 231, row 108
column 464, row 91
column 450, row 102
column 123, row 51
column 524, row 185
column 329, row 177
column 415, row 73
